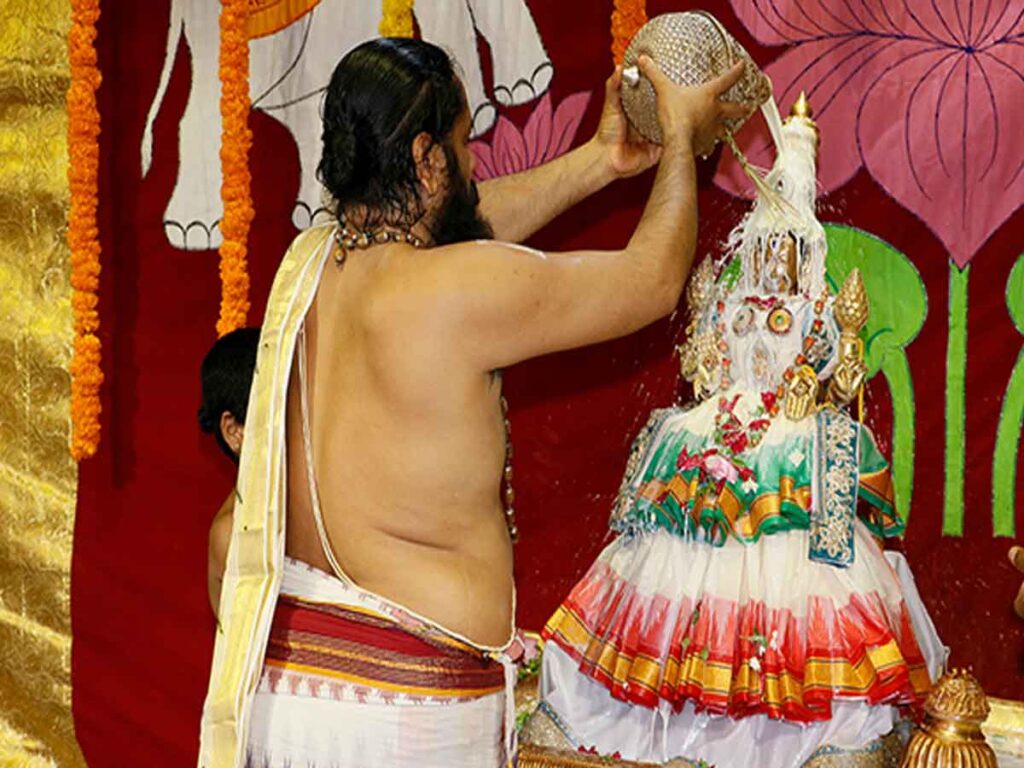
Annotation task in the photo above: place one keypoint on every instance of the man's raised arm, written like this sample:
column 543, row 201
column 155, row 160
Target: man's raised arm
column 520, row 204
column 507, row 303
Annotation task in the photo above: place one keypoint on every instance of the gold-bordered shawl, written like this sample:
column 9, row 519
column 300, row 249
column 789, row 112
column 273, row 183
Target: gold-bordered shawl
column 252, row 576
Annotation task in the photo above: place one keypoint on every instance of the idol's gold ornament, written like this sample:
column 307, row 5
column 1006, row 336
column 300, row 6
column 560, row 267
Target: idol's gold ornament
column 851, row 313
column 700, row 288
column 950, row 736
column 697, row 348
column 779, row 263
column 802, row 394
column 852, row 304
column 801, row 110
column 701, row 362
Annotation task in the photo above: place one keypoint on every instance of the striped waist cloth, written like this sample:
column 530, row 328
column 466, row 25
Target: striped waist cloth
column 361, row 648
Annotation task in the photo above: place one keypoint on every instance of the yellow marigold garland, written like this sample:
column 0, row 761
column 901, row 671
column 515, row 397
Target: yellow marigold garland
column 83, row 231
column 396, row 18
column 627, row 18
column 236, row 139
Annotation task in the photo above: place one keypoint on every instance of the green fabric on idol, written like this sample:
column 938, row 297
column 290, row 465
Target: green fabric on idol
column 775, row 496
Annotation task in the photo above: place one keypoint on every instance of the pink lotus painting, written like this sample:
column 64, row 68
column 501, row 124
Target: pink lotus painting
column 927, row 95
column 547, row 134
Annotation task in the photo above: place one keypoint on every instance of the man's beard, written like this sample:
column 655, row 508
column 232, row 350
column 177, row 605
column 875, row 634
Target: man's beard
column 458, row 219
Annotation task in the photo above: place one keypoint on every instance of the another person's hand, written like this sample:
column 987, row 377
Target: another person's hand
column 693, row 115
column 627, row 154
column 1017, row 558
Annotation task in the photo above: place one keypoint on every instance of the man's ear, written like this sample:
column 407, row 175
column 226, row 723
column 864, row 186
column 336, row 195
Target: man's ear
column 431, row 163
column 232, row 430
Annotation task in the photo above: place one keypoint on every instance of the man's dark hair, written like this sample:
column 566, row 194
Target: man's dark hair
column 382, row 95
column 226, row 378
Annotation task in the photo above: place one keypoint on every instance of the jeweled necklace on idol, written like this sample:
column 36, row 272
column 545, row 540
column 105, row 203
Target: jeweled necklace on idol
column 348, row 239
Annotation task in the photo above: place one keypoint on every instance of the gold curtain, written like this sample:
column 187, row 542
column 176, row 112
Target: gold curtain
column 37, row 476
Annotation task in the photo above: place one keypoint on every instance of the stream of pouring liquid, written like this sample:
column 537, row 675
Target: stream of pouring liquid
column 770, row 110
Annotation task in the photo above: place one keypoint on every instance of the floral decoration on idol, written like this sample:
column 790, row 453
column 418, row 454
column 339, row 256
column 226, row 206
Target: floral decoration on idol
column 928, row 97
column 548, row 133
column 721, row 466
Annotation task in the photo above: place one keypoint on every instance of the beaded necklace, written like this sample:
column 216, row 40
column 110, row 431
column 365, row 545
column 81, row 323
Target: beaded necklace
column 349, row 239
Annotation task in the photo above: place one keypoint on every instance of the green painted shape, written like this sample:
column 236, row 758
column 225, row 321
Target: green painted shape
column 956, row 402
column 896, row 369
column 1011, row 420
column 1015, row 293
column 899, row 305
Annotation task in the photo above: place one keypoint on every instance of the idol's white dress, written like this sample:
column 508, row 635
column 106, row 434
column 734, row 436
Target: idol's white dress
column 735, row 619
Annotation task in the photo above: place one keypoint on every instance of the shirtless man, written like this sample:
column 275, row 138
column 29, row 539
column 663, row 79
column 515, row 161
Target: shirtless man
column 396, row 360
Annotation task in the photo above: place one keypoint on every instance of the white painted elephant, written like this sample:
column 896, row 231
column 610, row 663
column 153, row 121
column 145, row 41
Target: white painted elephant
column 289, row 70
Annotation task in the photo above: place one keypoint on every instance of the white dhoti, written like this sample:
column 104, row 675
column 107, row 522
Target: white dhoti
column 352, row 682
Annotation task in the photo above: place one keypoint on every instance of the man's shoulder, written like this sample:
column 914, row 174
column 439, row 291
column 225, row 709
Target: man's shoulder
column 457, row 261
column 483, row 248
column 439, row 280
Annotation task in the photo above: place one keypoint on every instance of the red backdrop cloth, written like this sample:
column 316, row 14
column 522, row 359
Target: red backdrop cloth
column 143, row 631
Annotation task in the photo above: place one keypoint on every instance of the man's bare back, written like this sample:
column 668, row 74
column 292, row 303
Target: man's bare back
column 408, row 445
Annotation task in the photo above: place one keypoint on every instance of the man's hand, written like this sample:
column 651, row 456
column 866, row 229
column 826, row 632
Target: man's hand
column 627, row 155
column 693, row 117
column 1017, row 558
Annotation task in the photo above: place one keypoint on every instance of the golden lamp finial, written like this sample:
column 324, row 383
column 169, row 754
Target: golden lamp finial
column 802, row 107
column 802, row 111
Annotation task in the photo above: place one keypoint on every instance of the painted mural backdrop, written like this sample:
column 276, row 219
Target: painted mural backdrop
column 294, row 47
column 921, row 110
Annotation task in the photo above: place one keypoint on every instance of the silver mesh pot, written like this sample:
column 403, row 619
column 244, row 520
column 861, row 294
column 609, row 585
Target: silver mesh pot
column 691, row 48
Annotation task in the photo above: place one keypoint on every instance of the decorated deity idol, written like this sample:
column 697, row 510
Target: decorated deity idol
column 746, row 614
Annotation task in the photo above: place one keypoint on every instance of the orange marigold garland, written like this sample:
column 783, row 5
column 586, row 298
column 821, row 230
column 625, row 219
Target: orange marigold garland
column 627, row 18
column 236, row 139
column 396, row 18
column 83, row 232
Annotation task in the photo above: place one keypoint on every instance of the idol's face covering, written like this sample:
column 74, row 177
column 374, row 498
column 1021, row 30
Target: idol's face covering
column 780, row 258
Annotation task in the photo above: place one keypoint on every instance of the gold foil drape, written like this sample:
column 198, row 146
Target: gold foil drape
column 37, row 476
